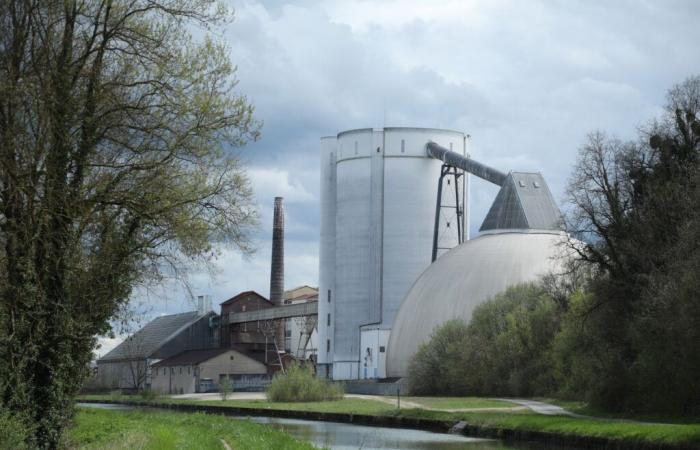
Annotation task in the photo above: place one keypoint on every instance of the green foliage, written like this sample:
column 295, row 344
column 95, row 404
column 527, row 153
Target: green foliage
column 504, row 350
column 117, row 169
column 632, row 344
column 300, row 385
column 14, row 433
column 149, row 395
column 225, row 387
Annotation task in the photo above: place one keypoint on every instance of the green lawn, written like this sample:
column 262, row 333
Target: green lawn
column 354, row 405
column 156, row 430
column 458, row 402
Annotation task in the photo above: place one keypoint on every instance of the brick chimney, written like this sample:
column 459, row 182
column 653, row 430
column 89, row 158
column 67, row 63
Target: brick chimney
column 277, row 267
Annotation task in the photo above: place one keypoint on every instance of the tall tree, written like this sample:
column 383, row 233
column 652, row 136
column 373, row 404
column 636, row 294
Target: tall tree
column 114, row 127
column 635, row 205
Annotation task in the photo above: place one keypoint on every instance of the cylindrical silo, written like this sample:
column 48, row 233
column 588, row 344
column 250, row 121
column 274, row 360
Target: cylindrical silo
column 386, row 191
column 326, row 273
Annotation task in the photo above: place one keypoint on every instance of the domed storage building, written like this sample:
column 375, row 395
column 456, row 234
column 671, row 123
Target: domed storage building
column 521, row 240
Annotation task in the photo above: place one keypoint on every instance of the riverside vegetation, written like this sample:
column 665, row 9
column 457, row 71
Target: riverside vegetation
column 117, row 122
column 155, row 430
column 299, row 384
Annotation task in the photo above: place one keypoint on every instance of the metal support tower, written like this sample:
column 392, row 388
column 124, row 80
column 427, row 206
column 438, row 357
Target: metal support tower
column 453, row 175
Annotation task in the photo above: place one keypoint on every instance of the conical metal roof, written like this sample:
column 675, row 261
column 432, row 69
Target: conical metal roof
column 524, row 202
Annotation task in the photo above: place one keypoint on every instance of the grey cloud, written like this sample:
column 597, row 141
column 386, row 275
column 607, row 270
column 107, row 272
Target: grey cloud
column 527, row 80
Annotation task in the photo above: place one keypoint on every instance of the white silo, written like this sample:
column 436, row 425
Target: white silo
column 326, row 255
column 379, row 189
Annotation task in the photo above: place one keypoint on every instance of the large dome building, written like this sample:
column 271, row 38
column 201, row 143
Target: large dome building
column 465, row 277
column 521, row 240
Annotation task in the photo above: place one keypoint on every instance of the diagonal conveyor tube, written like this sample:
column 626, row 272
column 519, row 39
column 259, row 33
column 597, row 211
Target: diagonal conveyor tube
column 467, row 164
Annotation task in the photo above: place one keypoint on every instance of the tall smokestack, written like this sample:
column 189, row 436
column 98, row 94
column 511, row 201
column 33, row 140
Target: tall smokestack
column 277, row 269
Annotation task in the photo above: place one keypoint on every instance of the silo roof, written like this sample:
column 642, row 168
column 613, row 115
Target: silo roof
column 524, row 202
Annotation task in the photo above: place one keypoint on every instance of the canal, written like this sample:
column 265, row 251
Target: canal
column 342, row 436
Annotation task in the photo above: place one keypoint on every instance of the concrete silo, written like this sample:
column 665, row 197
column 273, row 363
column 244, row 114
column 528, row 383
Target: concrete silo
column 378, row 212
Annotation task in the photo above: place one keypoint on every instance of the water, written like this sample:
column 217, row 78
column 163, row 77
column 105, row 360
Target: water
column 343, row 436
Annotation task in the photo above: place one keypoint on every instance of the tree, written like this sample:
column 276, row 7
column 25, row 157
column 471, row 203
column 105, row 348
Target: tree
column 504, row 350
column 116, row 126
column 635, row 206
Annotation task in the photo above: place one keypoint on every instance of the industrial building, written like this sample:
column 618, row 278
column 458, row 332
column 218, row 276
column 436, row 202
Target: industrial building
column 128, row 366
column 203, row 370
column 395, row 256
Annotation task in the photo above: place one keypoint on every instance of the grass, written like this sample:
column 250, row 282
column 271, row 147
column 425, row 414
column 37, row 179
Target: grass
column 655, row 433
column 155, row 430
column 458, row 402
column 353, row 405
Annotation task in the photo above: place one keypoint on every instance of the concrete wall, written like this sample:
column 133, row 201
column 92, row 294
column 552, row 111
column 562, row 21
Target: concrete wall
column 175, row 379
column 185, row 378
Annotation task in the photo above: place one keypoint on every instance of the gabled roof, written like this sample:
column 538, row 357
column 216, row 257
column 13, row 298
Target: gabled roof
column 243, row 295
column 524, row 202
column 152, row 336
column 191, row 357
column 194, row 357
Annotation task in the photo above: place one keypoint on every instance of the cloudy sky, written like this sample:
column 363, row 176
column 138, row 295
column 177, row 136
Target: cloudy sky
column 526, row 79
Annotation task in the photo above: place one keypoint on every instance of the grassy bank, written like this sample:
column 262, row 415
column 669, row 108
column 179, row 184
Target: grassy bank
column 155, row 430
column 687, row 434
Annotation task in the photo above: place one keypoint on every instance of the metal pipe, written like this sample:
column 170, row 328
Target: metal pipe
column 467, row 164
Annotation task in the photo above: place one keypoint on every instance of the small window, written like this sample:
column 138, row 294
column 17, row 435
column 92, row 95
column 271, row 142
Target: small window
column 328, row 321
column 379, row 149
column 243, row 308
column 536, row 184
column 180, row 370
column 403, row 146
column 328, row 345
column 356, row 147
column 329, row 295
column 382, row 349
column 450, row 146
column 522, row 183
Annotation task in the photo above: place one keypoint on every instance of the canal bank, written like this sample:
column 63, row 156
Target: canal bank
column 555, row 431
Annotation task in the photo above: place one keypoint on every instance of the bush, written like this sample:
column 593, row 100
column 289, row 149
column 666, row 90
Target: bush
column 225, row 387
column 14, row 433
column 149, row 395
column 300, row 385
column 506, row 349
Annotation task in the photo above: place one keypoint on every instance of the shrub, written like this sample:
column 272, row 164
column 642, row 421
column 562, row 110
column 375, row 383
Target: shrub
column 300, row 385
column 506, row 349
column 149, row 395
column 14, row 433
column 225, row 387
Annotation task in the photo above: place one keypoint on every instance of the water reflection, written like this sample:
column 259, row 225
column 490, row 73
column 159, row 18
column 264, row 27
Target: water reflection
column 340, row 436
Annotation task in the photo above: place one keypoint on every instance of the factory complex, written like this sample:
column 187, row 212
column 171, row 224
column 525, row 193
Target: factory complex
column 395, row 261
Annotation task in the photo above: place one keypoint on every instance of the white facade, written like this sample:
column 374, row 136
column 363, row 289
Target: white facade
column 378, row 196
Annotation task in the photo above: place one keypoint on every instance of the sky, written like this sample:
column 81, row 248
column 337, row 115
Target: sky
column 527, row 80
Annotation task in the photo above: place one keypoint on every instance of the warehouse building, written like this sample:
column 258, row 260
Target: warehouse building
column 203, row 371
column 128, row 366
